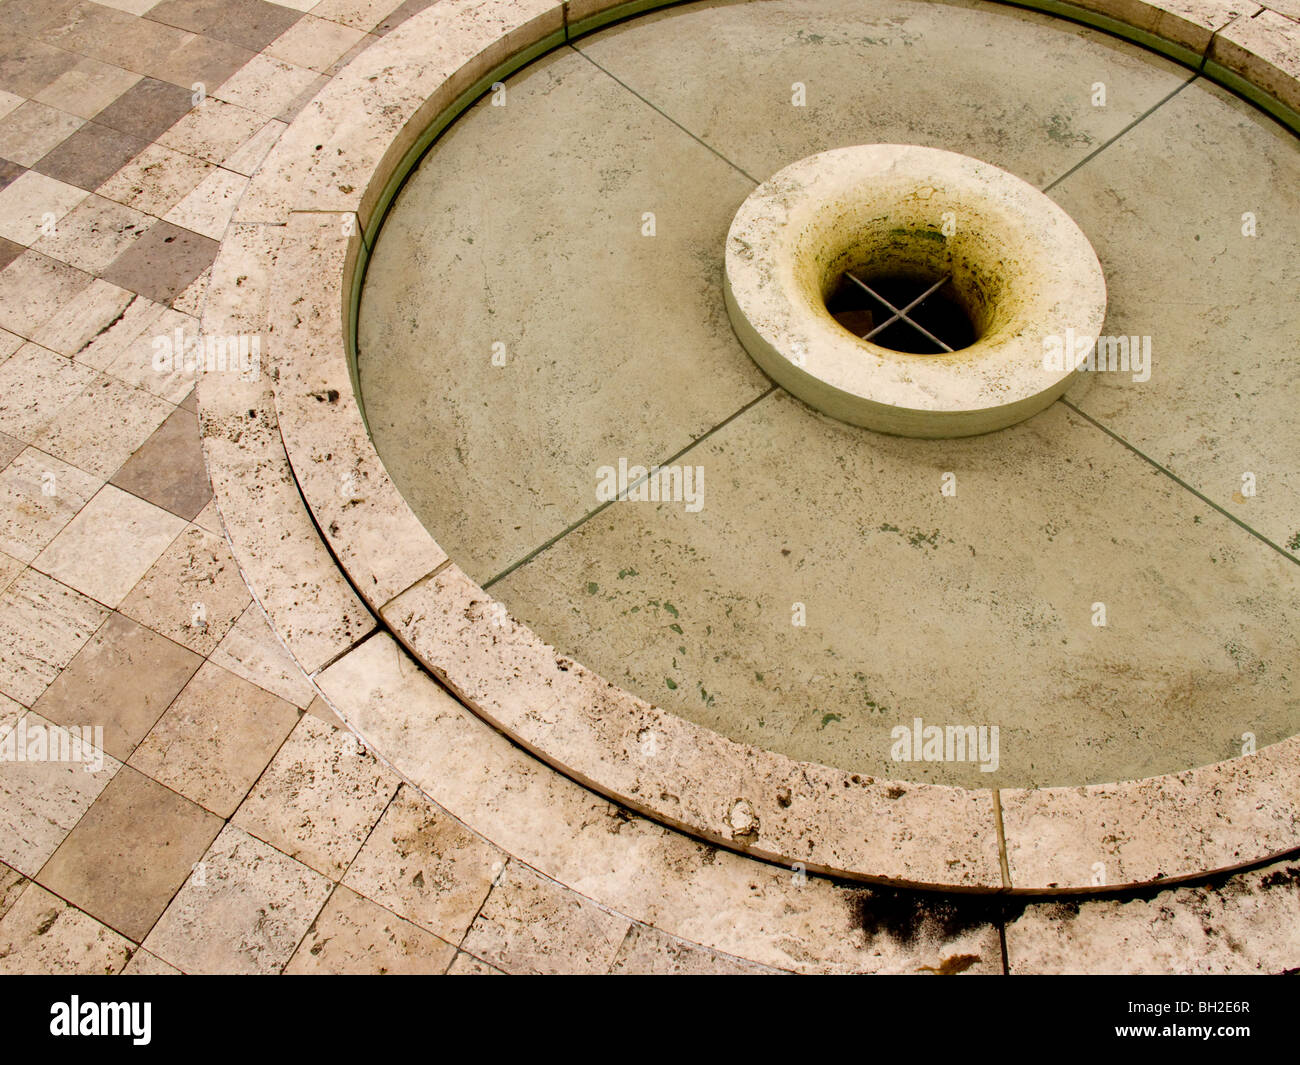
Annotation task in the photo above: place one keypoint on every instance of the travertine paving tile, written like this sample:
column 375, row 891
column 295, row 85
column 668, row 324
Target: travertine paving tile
column 94, row 233
column 215, row 739
column 9, row 446
column 39, row 495
column 243, row 910
column 248, row 157
column 12, row 883
column 252, row 650
column 92, row 155
column 319, row 798
column 138, row 362
column 9, row 251
column 87, row 318
column 87, row 88
column 42, row 625
column 130, row 853
column 193, row 594
column 1246, row 923
column 264, row 85
column 9, row 343
column 122, row 681
column 155, row 180
column 422, row 865
column 648, row 951
column 314, row 43
column 33, row 204
column 167, row 469
column 138, row 531
column 250, row 24
column 108, row 345
column 43, row 934
column 27, row 66
column 208, row 208
column 34, row 288
column 361, row 14
column 163, row 262
column 31, row 130
column 143, row 963
column 468, row 965
column 101, row 428
column 44, row 795
column 147, row 109
column 10, row 711
column 35, row 384
column 212, row 130
column 9, row 102
column 200, row 60
column 190, row 301
column 355, row 936
column 531, row 925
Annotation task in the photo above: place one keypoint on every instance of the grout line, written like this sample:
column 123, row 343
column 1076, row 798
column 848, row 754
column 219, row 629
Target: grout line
column 657, row 110
column 609, row 503
column 1181, row 483
column 1102, row 147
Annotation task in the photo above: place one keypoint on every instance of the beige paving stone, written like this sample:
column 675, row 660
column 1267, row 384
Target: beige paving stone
column 355, row 936
column 193, row 594
column 147, row 359
column 9, row 102
column 33, row 205
column 210, row 518
column 34, row 288
column 650, row 952
column 423, row 866
column 468, row 965
column 94, row 233
column 109, row 345
column 319, row 798
column 9, row 343
column 102, row 427
column 190, row 301
column 143, row 963
column 39, row 495
column 121, row 681
column 215, row 739
column 156, row 180
column 265, row 85
column 43, row 624
column 314, row 43
column 129, row 854
column 9, row 446
column 213, row 130
column 110, row 545
column 319, row 708
column 85, row 319
column 361, row 14
column 29, row 131
column 249, row 155
column 87, row 88
column 1246, row 923
column 252, row 650
column 532, row 926
column 42, row 934
column 208, row 208
column 1265, row 50
column 243, row 910
column 10, row 711
column 168, row 468
column 12, row 883
column 46, row 792
column 35, row 384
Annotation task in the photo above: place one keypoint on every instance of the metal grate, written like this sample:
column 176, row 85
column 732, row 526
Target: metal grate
column 902, row 314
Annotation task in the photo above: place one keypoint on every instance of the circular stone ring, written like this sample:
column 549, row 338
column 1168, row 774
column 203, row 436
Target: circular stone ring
column 1020, row 268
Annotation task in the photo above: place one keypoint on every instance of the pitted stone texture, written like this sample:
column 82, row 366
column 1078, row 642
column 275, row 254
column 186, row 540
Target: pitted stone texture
column 1265, row 50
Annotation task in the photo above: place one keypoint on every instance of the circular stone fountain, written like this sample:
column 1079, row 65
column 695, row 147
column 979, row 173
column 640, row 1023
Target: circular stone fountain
column 1024, row 273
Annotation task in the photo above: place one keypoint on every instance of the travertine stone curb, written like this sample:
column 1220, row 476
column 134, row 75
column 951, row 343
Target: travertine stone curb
column 290, row 278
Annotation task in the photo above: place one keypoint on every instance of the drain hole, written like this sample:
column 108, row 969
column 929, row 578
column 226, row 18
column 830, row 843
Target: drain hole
column 919, row 316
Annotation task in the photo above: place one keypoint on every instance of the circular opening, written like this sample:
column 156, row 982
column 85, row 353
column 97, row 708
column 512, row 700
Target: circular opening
column 915, row 313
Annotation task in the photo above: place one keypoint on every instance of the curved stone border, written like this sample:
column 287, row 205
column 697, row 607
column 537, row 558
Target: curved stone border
column 286, row 271
column 1017, row 262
